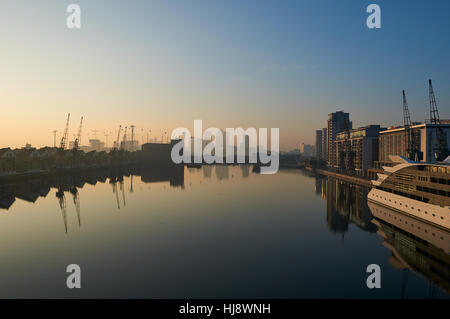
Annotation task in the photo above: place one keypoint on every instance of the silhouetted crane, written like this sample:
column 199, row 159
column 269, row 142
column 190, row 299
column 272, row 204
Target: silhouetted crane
column 441, row 151
column 77, row 142
column 117, row 142
column 64, row 137
column 410, row 136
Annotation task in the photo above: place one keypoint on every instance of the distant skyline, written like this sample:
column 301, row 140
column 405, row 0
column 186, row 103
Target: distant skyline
column 163, row 64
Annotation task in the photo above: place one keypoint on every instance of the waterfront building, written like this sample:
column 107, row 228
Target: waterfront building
column 363, row 145
column 324, row 143
column 337, row 122
column 7, row 160
column 318, row 145
column 393, row 141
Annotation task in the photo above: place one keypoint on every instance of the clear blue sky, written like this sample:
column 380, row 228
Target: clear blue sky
column 162, row 64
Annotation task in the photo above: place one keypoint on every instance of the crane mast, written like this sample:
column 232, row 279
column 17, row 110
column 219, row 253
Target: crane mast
column 118, row 138
column 410, row 136
column 64, row 137
column 441, row 150
column 77, row 142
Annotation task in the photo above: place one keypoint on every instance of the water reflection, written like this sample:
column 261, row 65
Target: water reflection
column 271, row 225
column 31, row 190
column 346, row 203
column 415, row 246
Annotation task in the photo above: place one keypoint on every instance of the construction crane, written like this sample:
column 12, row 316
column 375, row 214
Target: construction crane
column 125, row 138
column 441, row 151
column 77, row 142
column 54, row 138
column 132, row 137
column 116, row 146
column 64, row 137
column 411, row 139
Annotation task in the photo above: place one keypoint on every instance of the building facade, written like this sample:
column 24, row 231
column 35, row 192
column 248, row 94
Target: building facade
column 318, row 145
column 357, row 148
column 324, row 144
column 337, row 122
column 393, row 141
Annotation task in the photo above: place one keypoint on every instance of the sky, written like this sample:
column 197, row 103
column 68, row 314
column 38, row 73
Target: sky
column 163, row 64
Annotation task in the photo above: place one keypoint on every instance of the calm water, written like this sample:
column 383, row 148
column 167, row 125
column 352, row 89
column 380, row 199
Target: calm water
column 220, row 231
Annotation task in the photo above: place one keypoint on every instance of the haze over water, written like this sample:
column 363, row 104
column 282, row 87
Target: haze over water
column 218, row 231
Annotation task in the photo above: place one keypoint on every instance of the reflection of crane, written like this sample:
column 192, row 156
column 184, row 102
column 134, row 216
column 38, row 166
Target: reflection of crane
column 410, row 136
column 66, row 132
column 76, row 201
column 441, row 151
column 131, row 184
column 113, row 182
column 77, row 142
column 62, row 205
column 122, row 188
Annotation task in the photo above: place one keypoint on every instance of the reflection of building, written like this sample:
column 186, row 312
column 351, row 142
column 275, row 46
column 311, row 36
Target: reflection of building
column 363, row 143
column 337, row 122
column 245, row 170
column 416, row 246
column 321, row 187
column 346, row 203
column 31, row 190
column 221, row 171
column 392, row 141
column 207, row 171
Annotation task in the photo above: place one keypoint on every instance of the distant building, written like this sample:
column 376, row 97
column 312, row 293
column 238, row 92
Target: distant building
column 306, row 150
column 393, row 141
column 324, row 144
column 130, row 146
column 7, row 160
column 363, row 144
column 96, row 145
column 318, row 144
column 337, row 122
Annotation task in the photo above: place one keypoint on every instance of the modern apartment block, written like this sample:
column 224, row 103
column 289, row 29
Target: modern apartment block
column 318, row 144
column 359, row 146
column 337, row 122
column 324, row 143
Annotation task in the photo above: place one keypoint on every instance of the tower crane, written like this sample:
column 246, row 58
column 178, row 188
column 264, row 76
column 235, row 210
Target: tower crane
column 125, row 138
column 64, row 137
column 116, row 147
column 77, row 142
column 441, row 151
